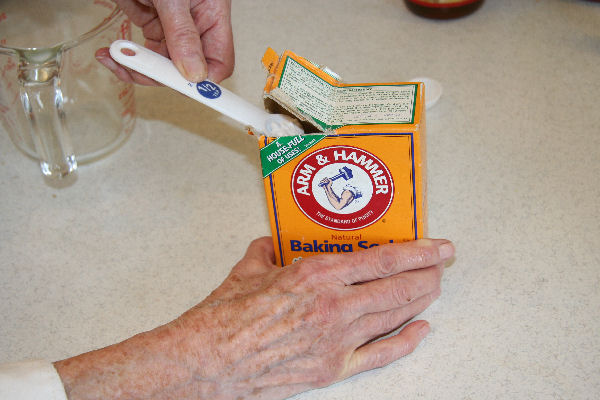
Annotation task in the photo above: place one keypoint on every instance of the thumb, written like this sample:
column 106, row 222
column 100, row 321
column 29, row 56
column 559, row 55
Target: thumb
column 259, row 258
column 182, row 37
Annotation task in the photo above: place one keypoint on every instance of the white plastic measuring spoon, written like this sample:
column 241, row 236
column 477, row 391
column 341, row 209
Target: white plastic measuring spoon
column 162, row 70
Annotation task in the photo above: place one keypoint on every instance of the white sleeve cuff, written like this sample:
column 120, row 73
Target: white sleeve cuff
column 30, row 380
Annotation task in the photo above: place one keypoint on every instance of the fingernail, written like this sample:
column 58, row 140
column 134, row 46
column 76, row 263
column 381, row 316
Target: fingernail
column 193, row 69
column 424, row 242
column 446, row 250
column 424, row 329
column 107, row 62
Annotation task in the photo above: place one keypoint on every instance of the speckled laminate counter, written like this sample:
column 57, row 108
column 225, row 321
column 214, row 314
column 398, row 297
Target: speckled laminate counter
column 513, row 177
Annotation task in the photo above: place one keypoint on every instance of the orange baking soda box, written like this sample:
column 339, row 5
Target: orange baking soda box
column 357, row 180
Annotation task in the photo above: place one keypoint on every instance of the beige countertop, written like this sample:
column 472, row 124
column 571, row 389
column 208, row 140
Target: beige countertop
column 513, row 177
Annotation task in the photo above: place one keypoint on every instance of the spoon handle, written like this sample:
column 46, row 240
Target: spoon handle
column 162, row 70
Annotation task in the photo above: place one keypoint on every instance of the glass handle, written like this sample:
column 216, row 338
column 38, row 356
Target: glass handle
column 42, row 100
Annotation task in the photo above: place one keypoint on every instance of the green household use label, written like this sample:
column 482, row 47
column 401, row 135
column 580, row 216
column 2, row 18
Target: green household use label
column 283, row 150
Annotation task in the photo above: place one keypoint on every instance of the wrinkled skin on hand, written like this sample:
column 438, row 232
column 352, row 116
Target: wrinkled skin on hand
column 195, row 34
column 269, row 332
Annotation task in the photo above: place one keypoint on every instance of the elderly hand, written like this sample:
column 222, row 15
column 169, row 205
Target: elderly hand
column 269, row 332
column 195, row 34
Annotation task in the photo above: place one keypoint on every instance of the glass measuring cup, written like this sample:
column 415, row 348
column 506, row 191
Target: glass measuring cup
column 57, row 103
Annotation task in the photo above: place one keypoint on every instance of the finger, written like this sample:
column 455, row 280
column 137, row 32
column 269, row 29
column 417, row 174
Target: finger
column 153, row 30
column 183, row 39
column 220, row 60
column 383, row 352
column 390, row 259
column 394, row 291
column 157, row 46
column 103, row 56
column 142, row 79
column 259, row 258
column 124, row 74
column 138, row 13
column 374, row 325
column 217, row 40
